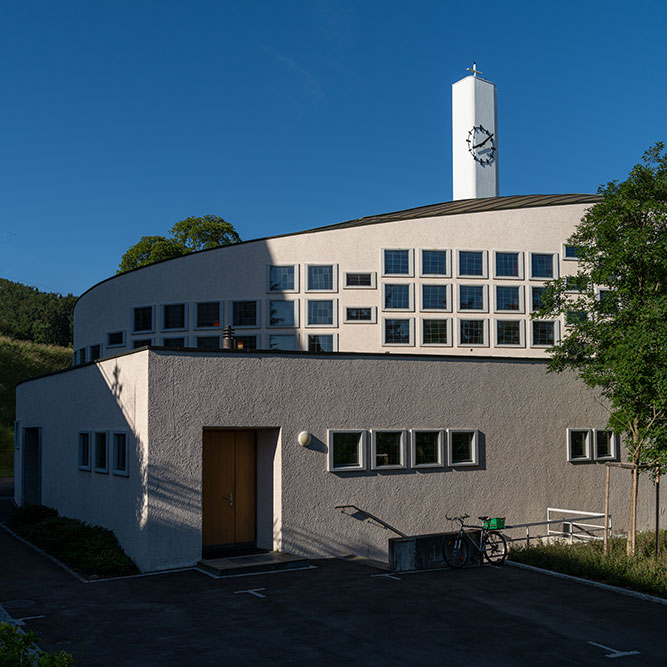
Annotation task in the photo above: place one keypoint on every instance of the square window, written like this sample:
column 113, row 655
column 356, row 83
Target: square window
column 321, row 278
column 208, row 314
column 472, row 263
column 84, row 451
column 282, row 279
column 101, row 453
column 570, row 251
column 282, row 313
column 537, row 294
column 397, row 332
column 544, row 333
column 141, row 342
column 471, row 297
column 508, row 299
column 360, row 280
column 246, row 342
column 434, row 263
column 360, row 314
column 606, row 445
column 347, row 450
column 509, row 333
column 320, row 343
column 120, row 454
column 208, row 342
column 542, row 266
column 436, row 332
column 176, row 341
column 397, row 263
column 427, row 448
column 244, row 313
column 398, row 297
column 573, row 317
column 509, row 265
column 115, row 338
column 282, row 342
column 575, row 283
column 173, row 316
column 434, row 297
column 462, row 447
column 143, row 319
column 579, row 444
column 321, row 313
column 472, row 332
column 388, row 449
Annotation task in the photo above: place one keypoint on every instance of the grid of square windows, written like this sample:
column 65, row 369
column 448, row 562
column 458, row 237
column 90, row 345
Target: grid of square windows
column 471, row 263
column 507, row 265
column 397, row 262
column 435, row 332
column 173, row 316
column 281, row 278
column 434, row 297
column 472, row 332
column 508, row 332
column 320, row 312
column 434, row 262
column 397, row 297
column 397, row 332
column 537, row 294
column 541, row 265
column 320, row 277
column 544, row 333
column 244, row 313
column 208, row 314
column 320, row 343
column 246, row 342
column 282, row 342
column 178, row 341
column 471, row 297
column 281, row 314
column 508, row 298
column 208, row 342
column 143, row 318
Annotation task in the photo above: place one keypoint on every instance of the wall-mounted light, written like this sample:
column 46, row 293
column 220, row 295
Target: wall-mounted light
column 304, row 438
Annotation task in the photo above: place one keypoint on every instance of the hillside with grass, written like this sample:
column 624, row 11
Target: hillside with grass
column 21, row 360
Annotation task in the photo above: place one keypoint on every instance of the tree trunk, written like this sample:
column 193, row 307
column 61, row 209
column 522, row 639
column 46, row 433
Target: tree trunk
column 632, row 522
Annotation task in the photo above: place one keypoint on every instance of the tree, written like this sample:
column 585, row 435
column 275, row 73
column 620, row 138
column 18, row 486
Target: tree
column 615, row 309
column 186, row 236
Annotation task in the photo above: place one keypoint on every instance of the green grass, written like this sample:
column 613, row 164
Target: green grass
column 89, row 550
column 21, row 360
column 643, row 573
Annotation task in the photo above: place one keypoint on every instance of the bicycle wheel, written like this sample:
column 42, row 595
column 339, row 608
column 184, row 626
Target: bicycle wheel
column 495, row 548
column 455, row 551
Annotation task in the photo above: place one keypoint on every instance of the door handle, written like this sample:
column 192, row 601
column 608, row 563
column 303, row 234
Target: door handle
column 230, row 499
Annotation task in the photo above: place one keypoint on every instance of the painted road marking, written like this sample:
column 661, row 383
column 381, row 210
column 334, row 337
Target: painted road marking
column 615, row 653
column 253, row 591
column 388, row 576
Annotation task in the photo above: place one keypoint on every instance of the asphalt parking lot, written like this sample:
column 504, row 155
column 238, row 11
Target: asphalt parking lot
column 338, row 613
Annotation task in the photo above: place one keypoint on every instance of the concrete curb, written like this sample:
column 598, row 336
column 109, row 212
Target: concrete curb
column 588, row 582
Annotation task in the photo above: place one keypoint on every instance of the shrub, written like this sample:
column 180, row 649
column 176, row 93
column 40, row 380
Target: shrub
column 18, row 648
column 29, row 515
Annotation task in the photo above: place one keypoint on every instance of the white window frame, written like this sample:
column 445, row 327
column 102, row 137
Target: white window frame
column 554, row 262
column 448, row 296
column 153, row 323
column 564, row 253
column 615, row 445
column 221, row 313
column 411, row 325
column 485, row 299
column 441, row 448
column 118, row 471
column 450, row 338
column 588, row 456
column 402, row 448
column 373, row 320
column 282, row 291
column 411, row 263
column 294, row 335
column 97, row 468
column 556, row 324
column 334, row 278
column 475, row 448
column 295, row 305
column 522, row 301
column 372, row 274
column 334, row 315
column 361, row 450
column 522, row 332
column 258, row 312
column 485, row 264
column 521, row 262
column 115, row 345
column 165, row 344
column 411, row 298
column 89, row 467
column 485, row 320
column 186, row 314
column 334, row 342
column 448, row 263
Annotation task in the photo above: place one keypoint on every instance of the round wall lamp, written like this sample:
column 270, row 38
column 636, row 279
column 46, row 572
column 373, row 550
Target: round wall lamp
column 304, row 438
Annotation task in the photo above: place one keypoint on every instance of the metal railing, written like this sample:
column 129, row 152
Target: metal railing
column 368, row 515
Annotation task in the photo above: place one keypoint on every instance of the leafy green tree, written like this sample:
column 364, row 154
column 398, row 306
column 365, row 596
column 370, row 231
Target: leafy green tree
column 186, row 236
column 615, row 309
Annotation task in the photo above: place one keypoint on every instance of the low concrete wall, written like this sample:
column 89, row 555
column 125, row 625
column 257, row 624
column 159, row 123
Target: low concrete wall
column 424, row 552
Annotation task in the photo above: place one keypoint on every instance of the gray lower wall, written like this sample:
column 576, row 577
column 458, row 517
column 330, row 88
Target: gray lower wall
column 521, row 411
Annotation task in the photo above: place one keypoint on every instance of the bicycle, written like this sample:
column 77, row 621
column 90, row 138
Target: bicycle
column 492, row 544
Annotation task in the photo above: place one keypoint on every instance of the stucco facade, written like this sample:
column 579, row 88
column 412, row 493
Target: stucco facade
column 165, row 400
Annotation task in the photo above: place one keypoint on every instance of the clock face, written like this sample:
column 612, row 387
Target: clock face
column 482, row 145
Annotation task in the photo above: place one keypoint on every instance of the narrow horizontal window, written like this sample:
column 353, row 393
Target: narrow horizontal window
column 208, row 314
column 208, row 342
column 115, row 338
column 360, row 280
column 359, row 314
column 571, row 252
column 282, row 342
column 574, row 317
column 176, row 341
column 141, row 342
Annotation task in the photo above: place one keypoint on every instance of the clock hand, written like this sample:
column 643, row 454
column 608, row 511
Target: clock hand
column 483, row 142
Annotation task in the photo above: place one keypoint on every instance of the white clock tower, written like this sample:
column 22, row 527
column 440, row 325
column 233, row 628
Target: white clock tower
column 474, row 137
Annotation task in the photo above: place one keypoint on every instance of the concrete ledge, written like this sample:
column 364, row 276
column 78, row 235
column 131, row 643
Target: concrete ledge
column 423, row 552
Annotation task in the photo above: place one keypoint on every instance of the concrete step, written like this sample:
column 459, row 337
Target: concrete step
column 266, row 562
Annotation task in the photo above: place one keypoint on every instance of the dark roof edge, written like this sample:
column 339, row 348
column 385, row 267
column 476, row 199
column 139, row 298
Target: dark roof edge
column 457, row 207
column 295, row 353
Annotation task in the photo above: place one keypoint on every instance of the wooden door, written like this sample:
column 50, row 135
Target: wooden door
column 228, row 488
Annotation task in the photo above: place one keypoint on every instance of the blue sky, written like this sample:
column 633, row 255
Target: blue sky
column 121, row 118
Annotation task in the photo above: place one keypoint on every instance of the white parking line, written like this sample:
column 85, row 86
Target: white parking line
column 253, row 591
column 387, row 576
